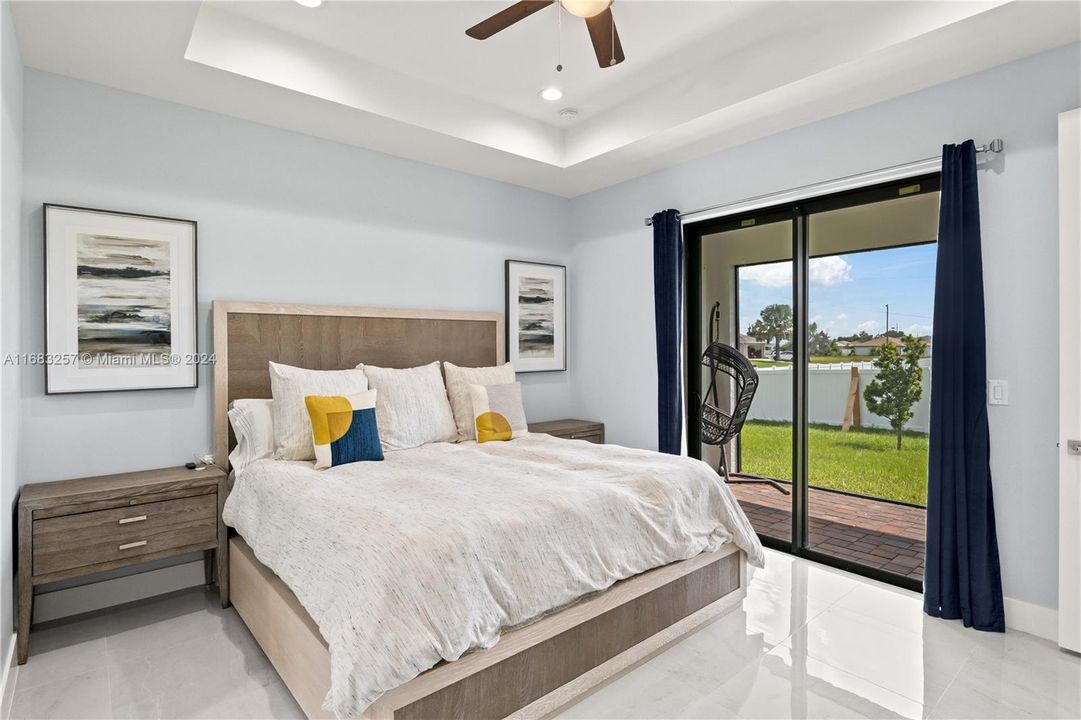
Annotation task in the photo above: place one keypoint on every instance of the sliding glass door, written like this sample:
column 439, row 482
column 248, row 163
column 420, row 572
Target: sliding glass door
column 839, row 419
column 747, row 283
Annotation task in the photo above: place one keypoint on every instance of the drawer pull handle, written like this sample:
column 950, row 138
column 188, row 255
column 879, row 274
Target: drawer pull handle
column 137, row 518
column 129, row 546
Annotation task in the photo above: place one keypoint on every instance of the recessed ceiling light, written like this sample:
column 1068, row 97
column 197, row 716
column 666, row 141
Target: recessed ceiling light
column 310, row 3
column 551, row 94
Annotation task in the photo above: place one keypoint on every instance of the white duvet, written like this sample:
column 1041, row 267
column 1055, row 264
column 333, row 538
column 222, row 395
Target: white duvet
column 433, row 551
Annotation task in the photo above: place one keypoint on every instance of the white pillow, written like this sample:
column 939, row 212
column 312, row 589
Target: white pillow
column 253, row 426
column 413, row 409
column 289, row 385
column 458, row 381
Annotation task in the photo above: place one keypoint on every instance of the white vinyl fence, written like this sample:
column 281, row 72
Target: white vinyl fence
column 827, row 394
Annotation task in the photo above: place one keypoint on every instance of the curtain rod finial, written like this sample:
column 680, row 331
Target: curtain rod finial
column 996, row 145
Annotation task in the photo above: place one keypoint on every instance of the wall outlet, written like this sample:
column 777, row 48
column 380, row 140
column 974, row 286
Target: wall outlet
column 998, row 392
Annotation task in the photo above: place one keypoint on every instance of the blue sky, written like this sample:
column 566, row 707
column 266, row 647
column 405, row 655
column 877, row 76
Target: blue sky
column 849, row 293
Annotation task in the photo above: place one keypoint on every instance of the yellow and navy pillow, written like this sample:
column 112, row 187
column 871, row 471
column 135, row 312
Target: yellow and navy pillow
column 497, row 411
column 343, row 428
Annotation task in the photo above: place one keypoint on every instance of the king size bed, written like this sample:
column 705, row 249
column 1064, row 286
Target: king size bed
column 458, row 580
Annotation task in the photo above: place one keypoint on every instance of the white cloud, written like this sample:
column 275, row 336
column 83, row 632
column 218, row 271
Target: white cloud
column 827, row 271
column 772, row 275
column 917, row 329
column 870, row 326
column 824, row 272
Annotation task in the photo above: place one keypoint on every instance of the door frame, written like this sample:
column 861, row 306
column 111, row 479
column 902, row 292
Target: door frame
column 798, row 213
column 1069, row 557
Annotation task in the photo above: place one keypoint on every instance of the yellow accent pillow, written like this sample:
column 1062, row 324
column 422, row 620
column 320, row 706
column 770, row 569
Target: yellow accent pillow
column 493, row 426
column 497, row 411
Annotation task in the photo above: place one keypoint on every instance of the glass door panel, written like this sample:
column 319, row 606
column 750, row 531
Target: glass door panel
column 871, row 278
column 747, row 302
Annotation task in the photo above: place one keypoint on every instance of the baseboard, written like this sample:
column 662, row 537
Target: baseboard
column 116, row 591
column 8, row 678
column 1031, row 618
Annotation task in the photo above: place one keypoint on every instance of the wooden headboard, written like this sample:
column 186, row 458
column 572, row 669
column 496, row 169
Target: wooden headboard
column 323, row 337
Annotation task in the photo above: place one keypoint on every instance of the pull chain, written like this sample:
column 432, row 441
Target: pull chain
column 612, row 44
column 559, row 36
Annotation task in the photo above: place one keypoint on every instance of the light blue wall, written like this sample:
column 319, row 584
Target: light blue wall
column 292, row 218
column 11, row 163
column 613, row 336
column 282, row 217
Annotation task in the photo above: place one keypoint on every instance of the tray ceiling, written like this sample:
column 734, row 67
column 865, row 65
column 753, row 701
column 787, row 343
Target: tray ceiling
column 403, row 78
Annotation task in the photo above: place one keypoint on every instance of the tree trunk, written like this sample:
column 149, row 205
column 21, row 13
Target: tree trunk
column 899, row 434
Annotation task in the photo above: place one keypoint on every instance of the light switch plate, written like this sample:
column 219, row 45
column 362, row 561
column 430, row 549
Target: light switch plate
column 998, row 392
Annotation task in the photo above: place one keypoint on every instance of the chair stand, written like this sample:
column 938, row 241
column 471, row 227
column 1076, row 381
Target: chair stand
column 746, row 478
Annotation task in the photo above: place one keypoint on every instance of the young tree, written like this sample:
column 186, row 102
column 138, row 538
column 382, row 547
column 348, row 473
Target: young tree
column 774, row 323
column 819, row 342
column 897, row 386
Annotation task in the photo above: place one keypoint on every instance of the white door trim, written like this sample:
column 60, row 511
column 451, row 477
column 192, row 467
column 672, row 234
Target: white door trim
column 1069, row 524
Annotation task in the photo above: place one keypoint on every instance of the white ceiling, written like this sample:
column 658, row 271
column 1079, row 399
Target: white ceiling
column 403, row 78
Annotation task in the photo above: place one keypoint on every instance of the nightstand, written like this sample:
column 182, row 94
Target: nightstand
column 571, row 429
column 72, row 528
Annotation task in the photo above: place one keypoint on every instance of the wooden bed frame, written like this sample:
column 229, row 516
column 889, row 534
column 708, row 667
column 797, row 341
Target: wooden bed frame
column 535, row 670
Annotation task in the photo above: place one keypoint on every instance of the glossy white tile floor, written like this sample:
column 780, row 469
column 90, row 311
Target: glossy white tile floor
column 809, row 642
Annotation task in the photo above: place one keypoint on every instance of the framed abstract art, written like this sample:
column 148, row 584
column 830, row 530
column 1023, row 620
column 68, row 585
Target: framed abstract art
column 536, row 308
column 120, row 309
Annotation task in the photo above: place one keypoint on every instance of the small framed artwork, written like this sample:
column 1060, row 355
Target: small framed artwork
column 536, row 316
column 119, row 301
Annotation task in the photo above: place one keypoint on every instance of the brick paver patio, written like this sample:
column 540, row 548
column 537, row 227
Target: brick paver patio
column 871, row 532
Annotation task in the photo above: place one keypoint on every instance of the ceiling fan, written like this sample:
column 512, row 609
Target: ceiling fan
column 596, row 13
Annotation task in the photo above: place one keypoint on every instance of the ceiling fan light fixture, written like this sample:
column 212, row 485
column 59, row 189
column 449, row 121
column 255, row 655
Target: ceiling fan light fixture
column 551, row 94
column 585, row 8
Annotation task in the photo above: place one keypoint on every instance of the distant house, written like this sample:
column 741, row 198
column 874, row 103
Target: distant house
column 868, row 347
column 751, row 347
column 844, row 347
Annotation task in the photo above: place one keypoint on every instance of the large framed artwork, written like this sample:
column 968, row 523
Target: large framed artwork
column 119, row 301
column 536, row 316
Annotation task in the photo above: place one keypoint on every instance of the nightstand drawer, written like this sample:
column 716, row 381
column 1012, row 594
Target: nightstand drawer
column 592, row 436
column 587, row 430
column 106, row 536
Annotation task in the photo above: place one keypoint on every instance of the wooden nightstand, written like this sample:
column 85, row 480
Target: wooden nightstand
column 71, row 528
column 571, row 429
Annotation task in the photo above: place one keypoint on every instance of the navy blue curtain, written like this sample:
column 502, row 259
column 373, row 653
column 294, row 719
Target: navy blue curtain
column 668, row 307
column 961, row 577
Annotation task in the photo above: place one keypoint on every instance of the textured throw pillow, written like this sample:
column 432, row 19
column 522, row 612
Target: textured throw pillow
column 253, row 427
column 290, row 385
column 344, row 428
column 458, row 381
column 498, row 412
column 413, row 409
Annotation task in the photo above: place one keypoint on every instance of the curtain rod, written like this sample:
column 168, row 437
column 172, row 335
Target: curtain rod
column 886, row 174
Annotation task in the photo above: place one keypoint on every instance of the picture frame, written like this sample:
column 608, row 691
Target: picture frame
column 120, row 301
column 536, row 316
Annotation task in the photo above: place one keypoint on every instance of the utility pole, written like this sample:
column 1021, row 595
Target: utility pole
column 887, row 321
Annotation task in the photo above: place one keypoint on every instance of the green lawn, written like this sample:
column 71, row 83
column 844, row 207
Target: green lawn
column 757, row 362
column 829, row 359
column 858, row 461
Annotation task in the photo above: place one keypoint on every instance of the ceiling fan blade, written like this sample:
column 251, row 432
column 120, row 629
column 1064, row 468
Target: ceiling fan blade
column 605, row 37
column 505, row 18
